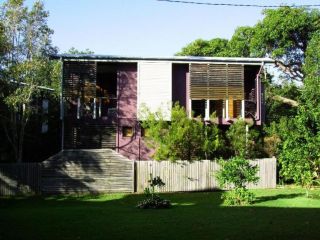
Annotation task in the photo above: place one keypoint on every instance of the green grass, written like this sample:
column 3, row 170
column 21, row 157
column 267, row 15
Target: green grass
column 277, row 214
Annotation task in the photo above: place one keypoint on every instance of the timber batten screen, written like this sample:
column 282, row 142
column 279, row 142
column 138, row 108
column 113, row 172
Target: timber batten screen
column 216, row 81
column 79, row 78
column 83, row 127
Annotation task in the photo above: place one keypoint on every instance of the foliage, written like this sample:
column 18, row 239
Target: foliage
column 153, row 200
column 156, row 202
column 26, row 70
column 237, row 197
column 153, row 182
column 283, row 34
column 239, row 44
column 73, row 50
column 211, row 48
column 300, row 151
column 183, row 137
column 243, row 139
column 276, row 109
column 236, row 173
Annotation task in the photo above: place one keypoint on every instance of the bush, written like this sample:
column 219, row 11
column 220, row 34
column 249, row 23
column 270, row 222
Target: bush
column 236, row 173
column 153, row 200
column 238, row 196
column 182, row 137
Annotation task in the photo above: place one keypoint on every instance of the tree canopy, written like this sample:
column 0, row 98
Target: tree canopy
column 214, row 47
column 25, row 66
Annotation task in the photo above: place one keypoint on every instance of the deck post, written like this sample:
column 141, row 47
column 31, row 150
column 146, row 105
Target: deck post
column 62, row 106
column 242, row 108
column 227, row 109
column 207, row 112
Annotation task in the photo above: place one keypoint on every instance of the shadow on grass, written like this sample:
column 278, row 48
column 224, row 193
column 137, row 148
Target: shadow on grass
column 114, row 216
column 278, row 196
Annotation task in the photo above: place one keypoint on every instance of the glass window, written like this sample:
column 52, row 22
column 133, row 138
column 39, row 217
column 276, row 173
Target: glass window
column 127, row 131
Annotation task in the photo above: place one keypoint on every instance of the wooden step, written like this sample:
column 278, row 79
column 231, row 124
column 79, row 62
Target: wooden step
column 86, row 170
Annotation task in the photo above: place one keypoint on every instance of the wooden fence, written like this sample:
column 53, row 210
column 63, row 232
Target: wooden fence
column 196, row 176
column 180, row 176
column 23, row 178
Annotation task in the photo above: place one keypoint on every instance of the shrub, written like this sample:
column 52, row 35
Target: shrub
column 243, row 139
column 182, row 137
column 235, row 173
column 153, row 200
column 238, row 196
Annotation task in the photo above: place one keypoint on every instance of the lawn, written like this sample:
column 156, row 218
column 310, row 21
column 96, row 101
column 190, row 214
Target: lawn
column 277, row 214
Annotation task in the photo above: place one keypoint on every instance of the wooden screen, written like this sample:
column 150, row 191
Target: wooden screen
column 79, row 86
column 89, row 136
column 79, row 79
column 81, row 129
column 216, row 81
column 235, row 82
column 198, row 81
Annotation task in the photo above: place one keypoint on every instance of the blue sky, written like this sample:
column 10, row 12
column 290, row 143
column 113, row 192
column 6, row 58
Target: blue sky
column 145, row 27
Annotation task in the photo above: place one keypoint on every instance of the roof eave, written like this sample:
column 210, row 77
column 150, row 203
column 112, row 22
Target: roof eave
column 187, row 59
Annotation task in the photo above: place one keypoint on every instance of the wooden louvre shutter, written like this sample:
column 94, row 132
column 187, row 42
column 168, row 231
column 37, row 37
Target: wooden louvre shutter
column 216, row 81
column 198, row 81
column 235, row 82
column 79, row 79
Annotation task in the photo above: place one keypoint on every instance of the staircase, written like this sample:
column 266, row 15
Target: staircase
column 87, row 171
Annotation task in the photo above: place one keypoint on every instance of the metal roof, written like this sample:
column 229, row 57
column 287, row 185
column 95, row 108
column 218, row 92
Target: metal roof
column 178, row 59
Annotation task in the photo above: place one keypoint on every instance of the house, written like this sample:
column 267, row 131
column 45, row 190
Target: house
column 102, row 96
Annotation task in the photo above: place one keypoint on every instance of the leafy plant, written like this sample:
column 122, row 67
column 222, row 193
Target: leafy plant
column 236, row 173
column 182, row 138
column 242, row 139
column 153, row 200
column 238, row 196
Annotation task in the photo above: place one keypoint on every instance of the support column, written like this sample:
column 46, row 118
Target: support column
column 62, row 105
column 242, row 109
column 227, row 109
column 78, row 108
column 207, row 110
column 190, row 108
column 94, row 108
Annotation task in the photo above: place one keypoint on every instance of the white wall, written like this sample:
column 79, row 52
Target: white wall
column 155, row 87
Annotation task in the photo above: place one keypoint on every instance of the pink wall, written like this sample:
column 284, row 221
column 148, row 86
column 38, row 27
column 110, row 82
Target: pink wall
column 131, row 147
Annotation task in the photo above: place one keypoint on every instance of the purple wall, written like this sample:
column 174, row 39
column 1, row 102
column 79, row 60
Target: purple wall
column 179, row 83
column 131, row 147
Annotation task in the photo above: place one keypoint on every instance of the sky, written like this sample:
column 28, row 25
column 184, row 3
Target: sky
column 145, row 27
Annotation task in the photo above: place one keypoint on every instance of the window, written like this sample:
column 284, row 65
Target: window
column 144, row 132
column 127, row 131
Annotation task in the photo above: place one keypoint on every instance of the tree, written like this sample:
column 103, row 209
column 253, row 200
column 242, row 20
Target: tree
column 300, row 150
column 73, row 50
column 26, row 67
column 283, row 34
column 211, row 48
column 239, row 44
column 182, row 138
